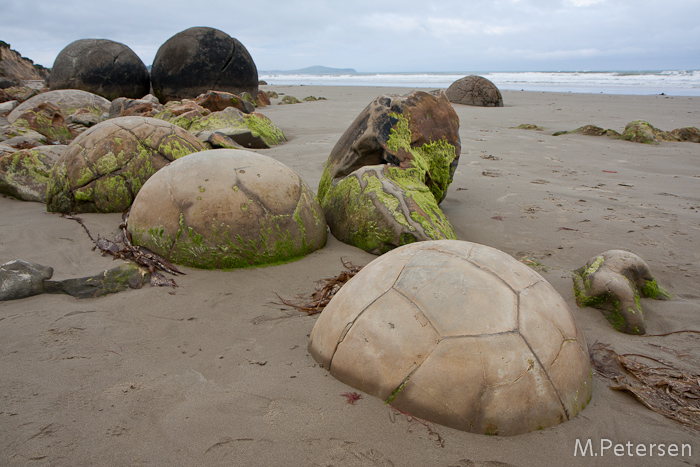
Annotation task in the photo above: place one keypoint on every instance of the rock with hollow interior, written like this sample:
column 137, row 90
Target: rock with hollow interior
column 614, row 282
column 460, row 334
column 103, row 169
column 386, row 175
column 227, row 208
column 475, row 90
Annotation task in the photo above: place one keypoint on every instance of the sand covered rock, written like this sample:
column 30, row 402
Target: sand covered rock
column 103, row 169
column 475, row 90
column 101, row 66
column 460, row 334
column 614, row 282
column 388, row 172
column 227, row 208
column 201, row 59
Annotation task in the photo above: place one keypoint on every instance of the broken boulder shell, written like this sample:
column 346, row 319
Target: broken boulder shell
column 388, row 172
column 227, row 208
column 460, row 334
column 614, row 282
column 104, row 168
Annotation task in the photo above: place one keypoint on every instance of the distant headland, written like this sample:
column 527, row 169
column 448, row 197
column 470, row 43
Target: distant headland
column 313, row 70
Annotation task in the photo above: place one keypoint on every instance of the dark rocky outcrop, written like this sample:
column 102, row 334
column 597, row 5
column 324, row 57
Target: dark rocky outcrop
column 100, row 66
column 201, row 59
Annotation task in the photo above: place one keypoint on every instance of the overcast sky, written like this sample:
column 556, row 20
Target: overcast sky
column 383, row 35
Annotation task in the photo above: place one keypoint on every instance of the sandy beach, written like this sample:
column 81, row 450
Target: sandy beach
column 216, row 372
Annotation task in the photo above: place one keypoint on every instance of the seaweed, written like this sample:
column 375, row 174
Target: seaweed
column 325, row 290
column 140, row 255
column 667, row 390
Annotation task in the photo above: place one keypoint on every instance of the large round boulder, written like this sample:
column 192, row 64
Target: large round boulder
column 100, row 66
column 475, row 90
column 227, row 208
column 200, row 59
column 460, row 334
column 104, row 168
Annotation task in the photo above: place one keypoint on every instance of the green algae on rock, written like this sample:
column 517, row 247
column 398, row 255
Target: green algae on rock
column 103, row 169
column 387, row 174
column 227, row 209
column 614, row 283
column 25, row 173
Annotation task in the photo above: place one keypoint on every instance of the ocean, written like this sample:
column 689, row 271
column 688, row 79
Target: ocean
column 670, row 83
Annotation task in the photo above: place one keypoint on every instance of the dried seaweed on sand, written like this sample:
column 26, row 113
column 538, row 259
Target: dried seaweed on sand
column 130, row 252
column 665, row 389
column 325, row 290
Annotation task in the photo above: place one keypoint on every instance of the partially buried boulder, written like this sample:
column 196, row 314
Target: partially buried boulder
column 200, row 59
column 100, row 66
column 227, row 208
column 475, row 90
column 103, row 169
column 253, row 130
column 46, row 119
column 385, row 177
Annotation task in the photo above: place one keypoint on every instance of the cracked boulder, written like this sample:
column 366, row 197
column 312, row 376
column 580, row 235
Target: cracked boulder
column 101, row 66
column 386, row 175
column 614, row 282
column 475, row 90
column 201, row 59
column 68, row 100
column 227, row 208
column 104, row 168
column 459, row 334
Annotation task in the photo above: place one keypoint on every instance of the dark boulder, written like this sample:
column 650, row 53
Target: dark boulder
column 100, row 66
column 201, row 59
column 474, row 90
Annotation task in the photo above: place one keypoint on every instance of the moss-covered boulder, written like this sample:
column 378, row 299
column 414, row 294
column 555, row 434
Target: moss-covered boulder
column 68, row 100
column 25, row 174
column 590, row 130
column 614, row 282
column 227, row 208
column 644, row 132
column 385, row 177
column 46, row 119
column 474, row 90
column 104, row 168
column 253, row 130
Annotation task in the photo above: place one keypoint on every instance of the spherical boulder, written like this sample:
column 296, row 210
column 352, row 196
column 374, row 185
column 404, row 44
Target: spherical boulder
column 227, row 208
column 460, row 334
column 100, row 66
column 201, row 59
column 104, row 168
column 475, row 90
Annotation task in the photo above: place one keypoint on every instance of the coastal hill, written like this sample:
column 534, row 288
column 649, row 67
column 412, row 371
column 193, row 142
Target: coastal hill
column 314, row 70
column 17, row 68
